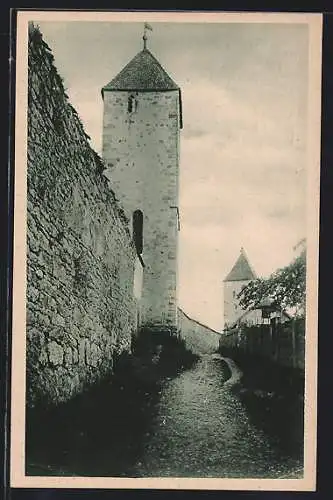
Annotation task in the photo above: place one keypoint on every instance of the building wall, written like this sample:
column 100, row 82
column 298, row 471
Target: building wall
column 141, row 149
column 200, row 339
column 81, row 309
column 232, row 309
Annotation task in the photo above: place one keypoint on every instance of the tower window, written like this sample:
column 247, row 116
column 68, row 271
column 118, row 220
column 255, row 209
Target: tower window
column 138, row 230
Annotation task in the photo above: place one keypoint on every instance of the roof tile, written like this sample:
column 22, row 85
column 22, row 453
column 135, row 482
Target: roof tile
column 143, row 72
column 242, row 271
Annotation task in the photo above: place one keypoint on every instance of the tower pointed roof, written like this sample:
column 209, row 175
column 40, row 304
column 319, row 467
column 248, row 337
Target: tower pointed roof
column 242, row 270
column 144, row 73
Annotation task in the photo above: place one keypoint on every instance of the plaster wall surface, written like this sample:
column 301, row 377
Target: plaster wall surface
column 232, row 309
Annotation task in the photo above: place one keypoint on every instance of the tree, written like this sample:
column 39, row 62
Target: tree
column 286, row 287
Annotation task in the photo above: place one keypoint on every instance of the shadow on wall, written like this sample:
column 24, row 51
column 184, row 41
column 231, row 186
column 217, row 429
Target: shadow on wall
column 98, row 433
column 162, row 354
column 102, row 431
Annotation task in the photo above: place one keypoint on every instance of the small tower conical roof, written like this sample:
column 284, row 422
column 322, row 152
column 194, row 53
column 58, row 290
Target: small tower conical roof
column 143, row 72
column 242, row 270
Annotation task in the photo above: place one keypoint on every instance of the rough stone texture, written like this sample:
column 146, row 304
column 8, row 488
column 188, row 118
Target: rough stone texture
column 141, row 149
column 200, row 339
column 80, row 263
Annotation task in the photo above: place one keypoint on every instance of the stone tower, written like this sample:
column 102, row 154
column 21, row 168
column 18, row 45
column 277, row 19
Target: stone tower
column 141, row 135
column 240, row 275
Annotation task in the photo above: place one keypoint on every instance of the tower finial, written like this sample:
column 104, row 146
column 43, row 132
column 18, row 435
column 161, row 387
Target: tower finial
column 145, row 38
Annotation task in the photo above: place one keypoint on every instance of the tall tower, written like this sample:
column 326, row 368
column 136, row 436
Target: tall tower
column 240, row 275
column 141, row 135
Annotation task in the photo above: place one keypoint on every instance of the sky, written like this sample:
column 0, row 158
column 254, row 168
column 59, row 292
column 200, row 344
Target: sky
column 243, row 144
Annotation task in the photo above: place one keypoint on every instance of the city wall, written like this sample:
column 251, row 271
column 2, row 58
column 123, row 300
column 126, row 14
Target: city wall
column 81, row 305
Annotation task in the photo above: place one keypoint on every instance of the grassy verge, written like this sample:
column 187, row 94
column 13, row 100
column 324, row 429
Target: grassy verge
column 274, row 398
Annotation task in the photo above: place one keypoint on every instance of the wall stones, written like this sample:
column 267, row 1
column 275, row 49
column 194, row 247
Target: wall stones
column 80, row 263
column 146, row 144
column 56, row 353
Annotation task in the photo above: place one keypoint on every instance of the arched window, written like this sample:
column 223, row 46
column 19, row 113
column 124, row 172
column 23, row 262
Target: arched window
column 138, row 231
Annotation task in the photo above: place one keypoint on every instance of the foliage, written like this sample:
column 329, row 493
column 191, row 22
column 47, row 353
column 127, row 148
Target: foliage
column 286, row 287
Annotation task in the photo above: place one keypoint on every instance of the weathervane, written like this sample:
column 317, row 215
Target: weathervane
column 145, row 28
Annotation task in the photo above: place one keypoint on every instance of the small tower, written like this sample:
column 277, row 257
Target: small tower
column 141, row 132
column 240, row 275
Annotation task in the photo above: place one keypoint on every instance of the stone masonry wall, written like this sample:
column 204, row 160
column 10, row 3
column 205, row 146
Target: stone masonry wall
column 141, row 149
column 80, row 261
column 200, row 339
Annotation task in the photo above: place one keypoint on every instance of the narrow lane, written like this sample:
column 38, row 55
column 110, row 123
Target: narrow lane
column 193, row 425
column 202, row 430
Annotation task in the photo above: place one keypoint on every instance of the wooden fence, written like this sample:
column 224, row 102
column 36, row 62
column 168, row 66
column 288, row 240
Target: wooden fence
column 283, row 344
